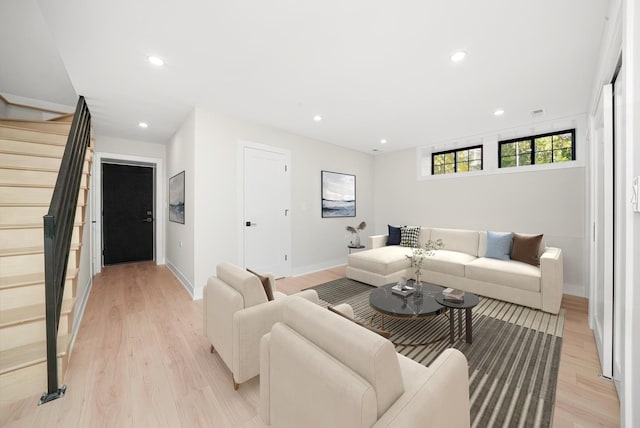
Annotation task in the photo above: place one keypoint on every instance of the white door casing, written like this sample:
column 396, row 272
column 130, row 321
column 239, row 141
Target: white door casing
column 602, row 262
column 266, row 209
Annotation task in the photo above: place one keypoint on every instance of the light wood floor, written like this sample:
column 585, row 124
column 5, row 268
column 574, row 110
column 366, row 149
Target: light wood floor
column 141, row 360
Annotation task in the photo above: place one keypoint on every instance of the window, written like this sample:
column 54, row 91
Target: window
column 538, row 149
column 458, row 160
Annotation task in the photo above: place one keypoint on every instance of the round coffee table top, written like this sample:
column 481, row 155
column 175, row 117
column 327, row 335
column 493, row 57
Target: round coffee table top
column 469, row 301
column 384, row 301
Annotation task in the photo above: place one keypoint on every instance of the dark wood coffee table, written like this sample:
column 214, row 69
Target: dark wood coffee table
column 415, row 306
column 470, row 300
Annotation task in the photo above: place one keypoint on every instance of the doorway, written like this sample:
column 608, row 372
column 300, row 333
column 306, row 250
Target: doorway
column 266, row 217
column 608, row 227
column 128, row 231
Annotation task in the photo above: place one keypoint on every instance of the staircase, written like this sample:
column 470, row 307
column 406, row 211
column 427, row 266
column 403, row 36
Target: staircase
column 30, row 157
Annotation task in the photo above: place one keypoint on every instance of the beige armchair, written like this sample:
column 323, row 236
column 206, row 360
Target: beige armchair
column 319, row 369
column 237, row 314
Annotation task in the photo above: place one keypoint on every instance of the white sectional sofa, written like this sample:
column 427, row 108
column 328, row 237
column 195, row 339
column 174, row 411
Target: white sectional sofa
column 461, row 264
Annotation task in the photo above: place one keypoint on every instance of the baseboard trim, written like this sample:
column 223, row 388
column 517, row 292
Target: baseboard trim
column 79, row 313
column 574, row 290
column 182, row 279
column 330, row 264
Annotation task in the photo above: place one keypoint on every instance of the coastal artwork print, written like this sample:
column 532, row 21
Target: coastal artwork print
column 338, row 194
column 176, row 198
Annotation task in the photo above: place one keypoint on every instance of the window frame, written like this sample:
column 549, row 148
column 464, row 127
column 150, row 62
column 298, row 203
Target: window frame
column 455, row 164
column 531, row 139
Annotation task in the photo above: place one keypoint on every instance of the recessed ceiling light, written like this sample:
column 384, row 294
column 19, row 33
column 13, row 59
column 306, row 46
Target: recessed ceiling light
column 383, row 141
column 498, row 112
column 157, row 61
column 143, row 125
column 317, row 118
column 458, row 56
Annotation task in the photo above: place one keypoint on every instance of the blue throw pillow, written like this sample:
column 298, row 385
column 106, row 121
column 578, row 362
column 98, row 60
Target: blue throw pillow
column 499, row 245
column 394, row 235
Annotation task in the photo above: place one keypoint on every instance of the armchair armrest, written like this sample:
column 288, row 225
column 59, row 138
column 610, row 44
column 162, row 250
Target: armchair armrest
column 377, row 241
column 249, row 325
column 443, row 398
column 551, row 279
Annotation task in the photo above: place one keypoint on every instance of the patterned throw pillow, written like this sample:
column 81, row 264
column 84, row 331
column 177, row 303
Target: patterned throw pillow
column 409, row 236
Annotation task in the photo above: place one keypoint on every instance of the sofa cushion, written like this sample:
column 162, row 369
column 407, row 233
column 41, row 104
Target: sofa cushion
column 394, row 235
column 526, row 248
column 463, row 241
column 245, row 283
column 381, row 260
column 266, row 284
column 448, row 262
column 409, row 236
column 425, row 236
column 499, row 245
column 508, row 273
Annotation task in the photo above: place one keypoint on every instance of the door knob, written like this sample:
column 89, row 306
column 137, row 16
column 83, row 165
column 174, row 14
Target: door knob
column 147, row 220
column 250, row 223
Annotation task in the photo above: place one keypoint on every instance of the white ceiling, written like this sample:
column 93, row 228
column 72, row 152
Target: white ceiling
column 373, row 69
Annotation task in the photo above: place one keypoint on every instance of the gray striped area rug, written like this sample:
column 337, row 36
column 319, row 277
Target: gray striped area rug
column 513, row 361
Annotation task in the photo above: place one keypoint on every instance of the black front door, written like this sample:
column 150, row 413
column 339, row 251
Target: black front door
column 127, row 213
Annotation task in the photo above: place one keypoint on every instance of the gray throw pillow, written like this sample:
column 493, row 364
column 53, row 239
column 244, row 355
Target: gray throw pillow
column 499, row 245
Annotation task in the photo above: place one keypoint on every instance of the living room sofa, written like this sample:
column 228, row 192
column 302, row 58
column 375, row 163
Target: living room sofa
column 461, row 264
column 319, row 369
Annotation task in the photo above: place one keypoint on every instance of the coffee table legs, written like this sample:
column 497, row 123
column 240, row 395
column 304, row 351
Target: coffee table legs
column 468, row 331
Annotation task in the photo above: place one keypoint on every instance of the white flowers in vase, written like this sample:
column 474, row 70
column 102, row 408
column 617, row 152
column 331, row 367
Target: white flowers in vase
column 356, row 231
column 419, row 255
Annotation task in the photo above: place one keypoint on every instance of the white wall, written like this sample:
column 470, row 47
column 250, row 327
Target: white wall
column 129, row 147
column 180, row 242
column 551, row 202
column 213, row 219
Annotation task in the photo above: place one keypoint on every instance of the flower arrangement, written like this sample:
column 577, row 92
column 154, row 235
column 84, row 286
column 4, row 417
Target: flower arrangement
column 420, row 253
column 356, row 231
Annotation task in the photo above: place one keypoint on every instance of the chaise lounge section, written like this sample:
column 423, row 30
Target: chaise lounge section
column 462, row 264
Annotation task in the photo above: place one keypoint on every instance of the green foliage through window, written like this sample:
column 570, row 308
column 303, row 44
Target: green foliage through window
column 538, row 149
column 459, row 160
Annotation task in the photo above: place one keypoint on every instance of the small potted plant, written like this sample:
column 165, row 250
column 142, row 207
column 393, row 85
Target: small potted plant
column 356, row 231
column 420, row 253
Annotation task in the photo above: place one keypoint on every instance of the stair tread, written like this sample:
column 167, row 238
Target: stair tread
column 28, row 355
column 36, row 186
column 28, row 226
column 29, row 279
column 28, row 250
column 22, row 128
column 24, row 314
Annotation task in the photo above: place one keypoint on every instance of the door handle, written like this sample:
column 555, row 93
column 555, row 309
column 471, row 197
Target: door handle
column 250, row 223
column 147, row 220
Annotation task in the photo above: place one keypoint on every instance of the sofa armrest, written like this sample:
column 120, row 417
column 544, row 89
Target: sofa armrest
column 551, row 279
column 264, row 404
column 249, row 325
column 220, row 302
column 377, row 241
column 442, row 400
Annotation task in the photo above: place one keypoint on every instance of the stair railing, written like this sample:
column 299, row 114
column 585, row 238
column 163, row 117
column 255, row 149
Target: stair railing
column 58, row 231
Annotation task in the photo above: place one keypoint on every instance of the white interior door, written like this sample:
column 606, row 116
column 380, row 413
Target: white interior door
column 266, row 210
column 602, row 256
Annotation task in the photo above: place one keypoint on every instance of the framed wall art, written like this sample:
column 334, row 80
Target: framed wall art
column 176, row 198
column 338, row 194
